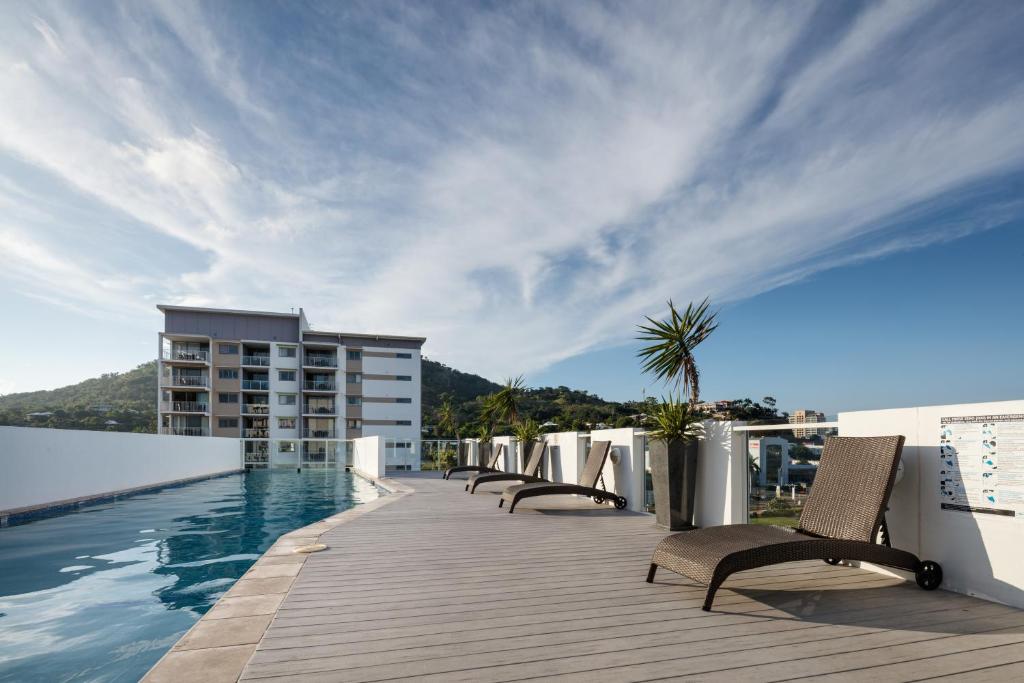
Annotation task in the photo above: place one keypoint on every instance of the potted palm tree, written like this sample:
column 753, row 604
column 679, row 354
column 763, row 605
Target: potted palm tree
column 673, row 453
column 448, row 424
column 669, row 356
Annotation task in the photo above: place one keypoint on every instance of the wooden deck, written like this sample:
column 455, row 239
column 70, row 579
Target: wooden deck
column 443, row 586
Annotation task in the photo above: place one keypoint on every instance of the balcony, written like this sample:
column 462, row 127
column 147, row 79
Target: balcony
column 255, row 409
column 184, row 407
column 318, row 385
column 320, row 361
column 313, row 409
column 256, row 433
column 176, row 380
column 319, row 433
column 260, row 361
column 186, row 356
column 255, row 385
column 184, row 431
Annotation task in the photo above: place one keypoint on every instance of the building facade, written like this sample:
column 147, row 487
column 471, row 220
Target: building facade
column 804, row 417
column 294, row 396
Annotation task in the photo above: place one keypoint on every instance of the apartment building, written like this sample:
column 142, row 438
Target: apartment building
column 293, row 395
column 804, row 417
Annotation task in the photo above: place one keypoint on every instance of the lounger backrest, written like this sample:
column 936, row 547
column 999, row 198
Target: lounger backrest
column 595, row 463
column 536, row 455
column 852, row 486
column 493, row 464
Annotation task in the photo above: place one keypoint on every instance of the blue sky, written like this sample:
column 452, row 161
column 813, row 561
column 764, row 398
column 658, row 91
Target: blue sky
column 523, row 182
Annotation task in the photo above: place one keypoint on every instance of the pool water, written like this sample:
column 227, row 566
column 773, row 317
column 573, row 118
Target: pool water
column 101, row 593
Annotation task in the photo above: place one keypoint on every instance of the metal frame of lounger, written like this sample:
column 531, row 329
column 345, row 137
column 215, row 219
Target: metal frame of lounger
column 841, row 519
column 530, row 475
column 589, row 478
column 492, row 466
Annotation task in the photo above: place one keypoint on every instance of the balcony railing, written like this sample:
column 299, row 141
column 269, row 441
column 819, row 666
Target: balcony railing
column 184, row 355
column 255, row 409
column 321, row 361
column 185, row 431
column 186, row 380
column 308, row 409
column 184, row 407
column 258, row 457
column 262, row 361
column 318, row 385
column 256, row 385
column 261, row 433
column 319, row 434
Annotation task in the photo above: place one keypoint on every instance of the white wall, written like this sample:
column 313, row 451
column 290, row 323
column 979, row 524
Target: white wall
column 721, row 476
column 980, row 554
column 624, row 469
column 41, row 466
column 566, row 453
column 368, row 456
column 511, row 460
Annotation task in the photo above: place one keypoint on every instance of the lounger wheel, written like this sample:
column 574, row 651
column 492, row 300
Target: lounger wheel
column 599, row 500
column 620, row 503
column 928, row 575
column 832, row 561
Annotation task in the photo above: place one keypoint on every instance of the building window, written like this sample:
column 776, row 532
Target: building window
column 286, row 399
column 354, row 400
column 403, row 355
column 285, row 446
column 227, row 373
column 403, row 378
column 355, row 355
column 403, row 400
column 227, row 422
column 355, row 424
column 286, row 351
column 227, row 398
column 228, row 349
column 404, row 423
column 286, row 375
column 354, row 377
column 286, row 423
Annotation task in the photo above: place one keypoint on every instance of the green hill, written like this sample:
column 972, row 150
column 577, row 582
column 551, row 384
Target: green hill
column 128, row 398
column 126, row 402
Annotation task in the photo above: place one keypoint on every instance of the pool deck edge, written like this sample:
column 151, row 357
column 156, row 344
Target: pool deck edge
column 221, row 642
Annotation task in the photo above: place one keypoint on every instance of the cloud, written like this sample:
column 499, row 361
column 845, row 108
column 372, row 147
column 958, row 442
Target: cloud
column 519, row 184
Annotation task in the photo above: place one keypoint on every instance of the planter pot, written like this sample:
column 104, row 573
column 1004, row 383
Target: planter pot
column 674, row 478
column 483, row 454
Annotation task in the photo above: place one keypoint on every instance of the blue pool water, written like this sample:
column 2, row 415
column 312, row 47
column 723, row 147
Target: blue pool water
column 101, row 593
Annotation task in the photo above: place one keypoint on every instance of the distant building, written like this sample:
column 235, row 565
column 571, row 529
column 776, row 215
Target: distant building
column 101, row 408
column 775, row 464
column 807, row 416
column 33, row 416
column 716, row 409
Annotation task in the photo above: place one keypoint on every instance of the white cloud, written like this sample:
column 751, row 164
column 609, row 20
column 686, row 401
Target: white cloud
column 518, row 188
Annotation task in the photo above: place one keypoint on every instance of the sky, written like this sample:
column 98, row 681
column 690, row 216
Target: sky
column 523, row 182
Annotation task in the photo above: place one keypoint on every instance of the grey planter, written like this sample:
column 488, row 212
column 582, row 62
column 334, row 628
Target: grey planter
column 674, row 478
column 483, row 455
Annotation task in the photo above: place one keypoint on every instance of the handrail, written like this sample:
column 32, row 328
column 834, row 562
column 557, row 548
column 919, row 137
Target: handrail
column 186, row 380
column 319, row 433
column 320, row 361
column 184, row 407
column 318, row 385
column 785, row 427
column 319, row 410
column 256, row 384
column 256, row 408
column 263, row 361
column 183, row 355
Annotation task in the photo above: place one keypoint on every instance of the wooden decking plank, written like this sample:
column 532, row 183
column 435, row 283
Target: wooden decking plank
column 443, row 586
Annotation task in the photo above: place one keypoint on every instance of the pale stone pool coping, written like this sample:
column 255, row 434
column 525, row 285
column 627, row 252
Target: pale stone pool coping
column 219, row 645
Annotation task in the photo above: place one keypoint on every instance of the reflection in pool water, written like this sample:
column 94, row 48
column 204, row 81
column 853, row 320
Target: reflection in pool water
column 100, row 594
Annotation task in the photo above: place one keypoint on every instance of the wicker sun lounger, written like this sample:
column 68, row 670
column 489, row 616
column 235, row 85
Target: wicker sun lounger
column 589, row 479
column 840, row 520
column 491, row 466
column 531, row 473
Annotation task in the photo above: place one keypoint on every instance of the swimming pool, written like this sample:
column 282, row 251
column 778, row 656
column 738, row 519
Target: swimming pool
column 101, row 593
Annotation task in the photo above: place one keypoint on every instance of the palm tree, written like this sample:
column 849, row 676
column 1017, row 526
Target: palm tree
column 669, row 356
column 447, row 419
column 505, row 403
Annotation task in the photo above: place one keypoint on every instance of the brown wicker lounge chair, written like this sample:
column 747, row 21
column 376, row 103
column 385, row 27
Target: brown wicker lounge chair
column 589, row 479
column 491, row 466
column 531, row 474
column 841, row 519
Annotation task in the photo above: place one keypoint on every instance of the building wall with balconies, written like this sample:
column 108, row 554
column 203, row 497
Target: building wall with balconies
column 225, row 385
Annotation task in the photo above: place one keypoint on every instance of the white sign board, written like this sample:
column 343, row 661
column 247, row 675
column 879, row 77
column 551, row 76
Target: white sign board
column 982, row 464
